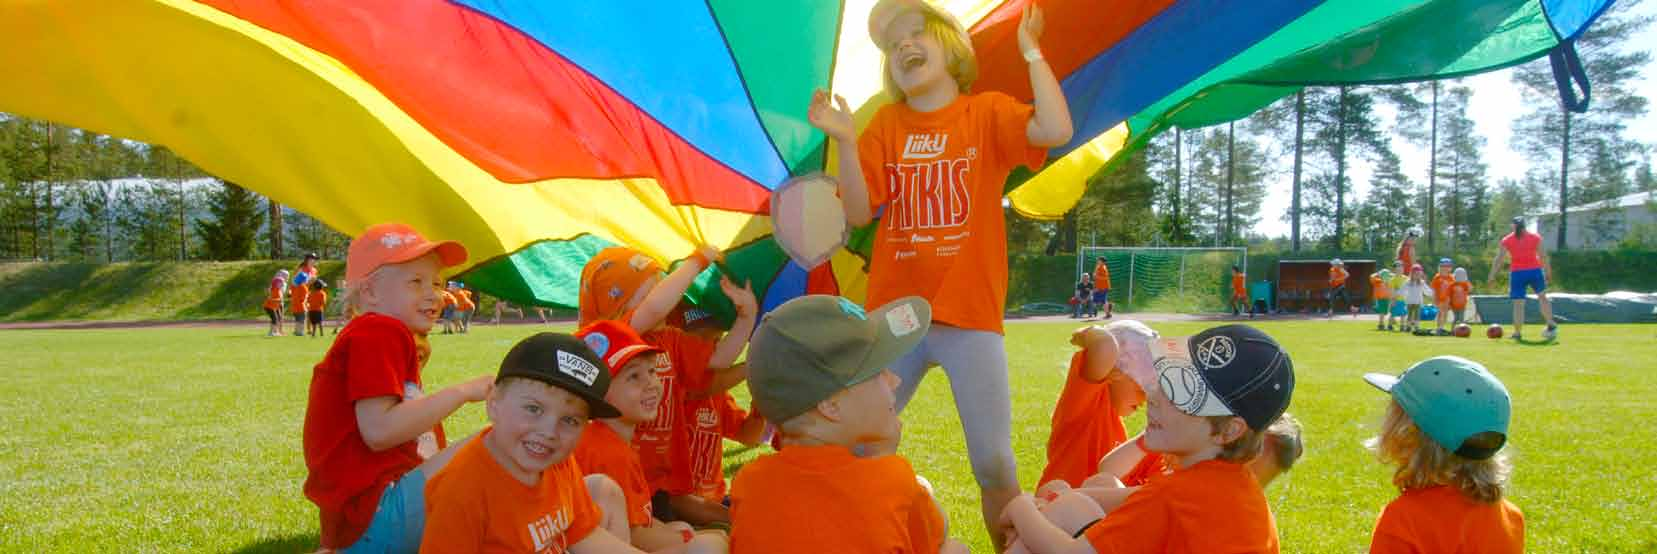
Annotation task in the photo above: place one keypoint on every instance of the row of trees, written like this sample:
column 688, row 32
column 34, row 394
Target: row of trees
column 1207, row 186
column 73, row 195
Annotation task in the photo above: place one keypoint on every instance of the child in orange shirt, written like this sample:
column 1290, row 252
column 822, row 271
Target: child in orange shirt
column 1103, row 386
column 463, row 307
column 818, row 369
column 447, row 316
column 515, row 488
column 1239, row 294
column 1444, row 431
column 371, row 435
column 933, row 164
column 1337, row 284
column 1460, row 290
column 297, row 296
column 625, row 285
column 1441, row 284
column 1382, row 295
column 1219, row 391
column 273, row 301
column 605, row 451
column 314, row 303
column 714, row 416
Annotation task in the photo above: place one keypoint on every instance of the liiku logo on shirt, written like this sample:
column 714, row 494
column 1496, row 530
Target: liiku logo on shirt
column 548, row 531
column 924, row 146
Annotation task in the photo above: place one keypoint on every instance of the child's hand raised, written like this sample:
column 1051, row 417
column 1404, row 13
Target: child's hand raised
column 742, row 298
column 1030, row 25
column 477, row 389
column 834, row 120
column 1086, row 334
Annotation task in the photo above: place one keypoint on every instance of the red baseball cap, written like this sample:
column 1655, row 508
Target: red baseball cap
column 615, row 343
column 395, row 243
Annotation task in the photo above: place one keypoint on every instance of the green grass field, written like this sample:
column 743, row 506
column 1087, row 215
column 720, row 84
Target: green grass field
column 187, row 439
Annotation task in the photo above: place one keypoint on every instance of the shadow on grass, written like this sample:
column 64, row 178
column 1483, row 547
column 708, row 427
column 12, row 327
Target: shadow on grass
column 72, row 290
column 244, row 291
column 281, row 545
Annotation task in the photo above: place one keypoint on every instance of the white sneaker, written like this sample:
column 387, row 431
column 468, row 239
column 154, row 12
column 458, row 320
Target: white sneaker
column 1550, row 333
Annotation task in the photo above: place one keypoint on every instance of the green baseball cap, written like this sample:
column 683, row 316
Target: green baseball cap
column 1451, row 399
column 812, row 347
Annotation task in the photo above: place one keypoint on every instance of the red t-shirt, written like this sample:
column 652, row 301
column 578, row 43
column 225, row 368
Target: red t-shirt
column 1211, row 507
column 939, row 175
column 711, row 419
column 474, row 505
column 1085, row 427
column 664, row 443
column 1523, row 251
column 1439, row 519
column 373, row 356
column 602, row 451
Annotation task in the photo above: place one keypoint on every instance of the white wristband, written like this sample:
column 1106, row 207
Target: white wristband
column 1031, row 55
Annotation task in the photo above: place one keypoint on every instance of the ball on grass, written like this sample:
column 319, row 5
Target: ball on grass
column 1494, row 331
column 1463, row 331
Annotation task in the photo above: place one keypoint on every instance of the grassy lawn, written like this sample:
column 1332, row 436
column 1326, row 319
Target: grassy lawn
column 187, row 440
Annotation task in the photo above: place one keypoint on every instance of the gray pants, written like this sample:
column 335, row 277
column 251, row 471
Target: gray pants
column 976, row 363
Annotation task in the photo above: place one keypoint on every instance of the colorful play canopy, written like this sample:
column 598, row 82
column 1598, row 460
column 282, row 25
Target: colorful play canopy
column 538, row 132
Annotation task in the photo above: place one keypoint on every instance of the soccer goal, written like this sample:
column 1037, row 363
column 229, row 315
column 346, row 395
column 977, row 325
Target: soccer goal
column 1175, row 279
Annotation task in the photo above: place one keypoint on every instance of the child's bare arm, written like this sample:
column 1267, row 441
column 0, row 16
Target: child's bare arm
column 731, row 346
column 1107, row 498
column 602, row 542
column 1051, row 124
column 835, row 120
column 1039, row 535
column 661, row 300
column 386, row 421
column 752, row 431
column 1101, row 350
column 1121, row 459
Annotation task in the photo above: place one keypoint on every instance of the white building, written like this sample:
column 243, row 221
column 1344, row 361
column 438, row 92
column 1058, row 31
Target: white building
column 1599, row 225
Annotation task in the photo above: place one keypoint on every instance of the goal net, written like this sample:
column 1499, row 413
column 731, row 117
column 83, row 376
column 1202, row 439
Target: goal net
column 1166, row 279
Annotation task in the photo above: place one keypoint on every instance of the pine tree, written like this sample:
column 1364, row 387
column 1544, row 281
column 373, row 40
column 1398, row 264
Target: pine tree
column 1461, row 167
column 1346, row 128
column 1549, row 135
column 236, row 217
column 1385, row 213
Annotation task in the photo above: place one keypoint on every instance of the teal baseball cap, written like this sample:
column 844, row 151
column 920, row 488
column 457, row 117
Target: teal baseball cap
column 1452, row 399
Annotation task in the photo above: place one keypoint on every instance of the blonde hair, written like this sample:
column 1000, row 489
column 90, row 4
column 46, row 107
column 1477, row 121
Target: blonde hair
column 1422, row 462
column 354, row 291
column 1242, row 449
column 962, row 62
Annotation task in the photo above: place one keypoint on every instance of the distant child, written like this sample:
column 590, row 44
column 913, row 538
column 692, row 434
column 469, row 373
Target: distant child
column 1444, row 430
column 273, row 301
column 1441, row 293
column 1406, row 249
column 515, row 488
column 938, row 140
column 1415, row 293
column 1102, row 387
column 1239, row 295
column 625, row 285
column 1382, row 295
column 1460, row 291
column 1400, row 277
column 1218, row 393
column 314, row 304
column 372, row 436
column 463, row 306
column 1337, row 284
column 818, row 368
column 298, row 294
column 605, row 452
column 1081, row 303
column 1101, row 288
column 449, row 303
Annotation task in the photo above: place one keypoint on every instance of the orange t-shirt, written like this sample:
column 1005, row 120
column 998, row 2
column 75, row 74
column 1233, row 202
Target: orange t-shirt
column 448, row 298
column 1085, row 428
column 1237, row 285
column 1337, row 276
column 1459, row 292
column 711, row 420
column 273, row 297
column 1378, row 287
column 939, row 177
column 1439, row 519
column 1441, row 288
column 601, row 450
column 316, row 300
column 464, row 297
column 664, row 443
column 1101, row 277
column 297, row 296
column 474, row 505
column 1213, row 506
column 1151, row 466
column 812, row 499
column 1406, row 254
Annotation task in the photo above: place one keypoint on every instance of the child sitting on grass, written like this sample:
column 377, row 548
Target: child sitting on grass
column 1218, row 393
column 1102, row 387
column 818, row 369
column 1445, row 427
column 372, row 436
column 514, row 488
column 605, row 452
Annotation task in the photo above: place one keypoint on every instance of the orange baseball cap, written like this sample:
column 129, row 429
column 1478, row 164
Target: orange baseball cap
column 609, row 279
column 395, row 243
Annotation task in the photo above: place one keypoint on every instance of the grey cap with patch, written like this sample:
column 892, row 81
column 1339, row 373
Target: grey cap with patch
column 812, row 347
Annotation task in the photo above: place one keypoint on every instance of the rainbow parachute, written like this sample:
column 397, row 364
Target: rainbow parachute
column 540, row 132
